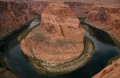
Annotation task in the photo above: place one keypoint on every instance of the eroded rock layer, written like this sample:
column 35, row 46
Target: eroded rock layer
column 111, row 71
column 106, row 18
column 12, row 16
column 58, row 39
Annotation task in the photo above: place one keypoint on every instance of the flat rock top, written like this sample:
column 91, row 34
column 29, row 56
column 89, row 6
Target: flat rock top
column 58, row 39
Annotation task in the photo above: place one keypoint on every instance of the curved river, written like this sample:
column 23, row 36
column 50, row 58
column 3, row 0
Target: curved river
column 19, row 63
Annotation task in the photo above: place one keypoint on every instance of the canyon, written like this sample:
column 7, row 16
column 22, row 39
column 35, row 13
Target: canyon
column 103, row 15
column 107, row 19
column 60, row 29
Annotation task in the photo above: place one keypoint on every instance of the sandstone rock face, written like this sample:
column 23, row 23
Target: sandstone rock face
column 12, row 16
column 80, row 9
column 58, row 39
column 111, row 71
column 102, row 14
column 106, row 18
column 60, row 21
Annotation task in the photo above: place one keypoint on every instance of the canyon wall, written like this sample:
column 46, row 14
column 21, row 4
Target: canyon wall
column 106, row 18
column 37, row 7
column 12, row 16
column 103, row 15
column 111, row 71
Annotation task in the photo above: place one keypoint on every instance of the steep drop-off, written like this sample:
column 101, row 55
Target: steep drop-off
column 106, row 18
column 111, row 71
column 12, row 16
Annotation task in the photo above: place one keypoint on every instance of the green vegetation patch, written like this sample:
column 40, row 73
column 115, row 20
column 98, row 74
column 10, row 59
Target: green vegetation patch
column 113, row 59
column 24, row 34
column 116, row 42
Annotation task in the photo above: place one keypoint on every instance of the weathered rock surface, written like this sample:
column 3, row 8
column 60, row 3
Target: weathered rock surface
column 58, row 39
column 111, row 71
column 37, row 7
column 12, row 16
column 102, row 14
column 80, row 9
column 106, row 18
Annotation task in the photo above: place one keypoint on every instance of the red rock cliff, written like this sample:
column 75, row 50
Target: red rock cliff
column 111, row 71
column 12, row 16
column 106, row 18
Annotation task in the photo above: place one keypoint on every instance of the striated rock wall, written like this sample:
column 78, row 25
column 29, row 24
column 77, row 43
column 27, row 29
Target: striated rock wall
column 102, row 14
column 12, row 16
column 80, row 9
column 38, row 6
column 111, row 71
column 106, row 18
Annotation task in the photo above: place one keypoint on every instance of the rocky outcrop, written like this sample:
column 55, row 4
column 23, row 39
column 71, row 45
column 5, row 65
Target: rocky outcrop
column 106, row 18
column 111, row 71
column 12, row 16
column 59, row 38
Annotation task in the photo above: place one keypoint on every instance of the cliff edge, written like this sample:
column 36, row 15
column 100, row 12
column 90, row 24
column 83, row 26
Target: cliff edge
column 59, row 38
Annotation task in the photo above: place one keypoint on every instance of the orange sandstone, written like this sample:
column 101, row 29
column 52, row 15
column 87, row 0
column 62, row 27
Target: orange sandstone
column 58, row 39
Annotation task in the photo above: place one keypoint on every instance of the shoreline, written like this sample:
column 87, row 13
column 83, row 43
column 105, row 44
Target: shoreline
column 3, row 40
column 117, row 43
column 68, row 66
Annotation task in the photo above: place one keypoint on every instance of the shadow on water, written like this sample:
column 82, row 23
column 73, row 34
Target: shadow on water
column 98, row 33
column 104, row 50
